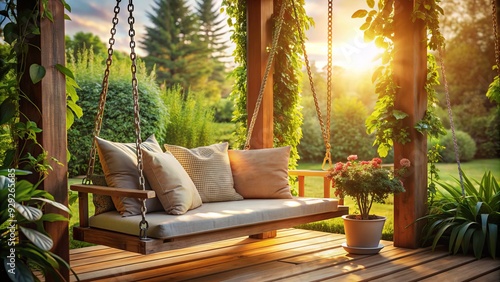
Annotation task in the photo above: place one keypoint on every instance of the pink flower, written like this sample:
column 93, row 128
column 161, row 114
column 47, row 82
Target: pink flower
column 377, row 160
column 339, row 166
column 405, row 162
column 352, row 157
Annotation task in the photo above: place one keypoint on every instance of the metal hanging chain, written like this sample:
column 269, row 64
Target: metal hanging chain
column 143, row 225
column 325, row 129
column 274, row 47
column 102, row 97
column 495, row 31
column 450, row 116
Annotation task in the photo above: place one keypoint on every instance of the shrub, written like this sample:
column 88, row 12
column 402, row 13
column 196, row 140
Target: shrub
column 190, row 121
column 466, row 222
column 466, row 147
column 118, row 120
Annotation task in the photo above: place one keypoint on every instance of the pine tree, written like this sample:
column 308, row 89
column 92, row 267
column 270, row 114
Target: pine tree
column 212, row 33
column 174, row 47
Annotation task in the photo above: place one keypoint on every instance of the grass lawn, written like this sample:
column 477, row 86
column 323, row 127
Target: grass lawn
column 314, row 188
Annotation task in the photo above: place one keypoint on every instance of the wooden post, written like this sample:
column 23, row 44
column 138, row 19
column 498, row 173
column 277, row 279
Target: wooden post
column 48, row 110
column 259, row 31
column 410, row 69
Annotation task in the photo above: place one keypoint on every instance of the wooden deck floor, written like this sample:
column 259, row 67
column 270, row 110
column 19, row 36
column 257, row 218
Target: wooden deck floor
column 295, row 255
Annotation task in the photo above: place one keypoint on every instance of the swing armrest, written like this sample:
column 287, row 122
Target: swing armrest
column 113, row 191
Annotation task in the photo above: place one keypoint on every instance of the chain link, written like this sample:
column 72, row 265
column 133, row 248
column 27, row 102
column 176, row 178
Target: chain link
column 325, row 129
column 274, row 47
column 102, row 97
column 450, row 116
column 495, row 32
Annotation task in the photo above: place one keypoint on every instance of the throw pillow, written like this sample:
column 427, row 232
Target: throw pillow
column 171, row 182
column 209, row 168
column 261, row 173
column 119, row 163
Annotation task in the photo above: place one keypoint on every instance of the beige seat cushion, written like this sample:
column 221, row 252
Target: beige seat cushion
column 209, row 168
column 172, row 184
column 261, row 173
column 119, row 163
column 215, row 216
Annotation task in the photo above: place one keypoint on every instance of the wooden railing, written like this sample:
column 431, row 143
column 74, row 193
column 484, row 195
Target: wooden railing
column 301, row 174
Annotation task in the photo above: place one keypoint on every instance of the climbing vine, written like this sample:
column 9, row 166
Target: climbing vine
column 386, row 122
column 287, row 74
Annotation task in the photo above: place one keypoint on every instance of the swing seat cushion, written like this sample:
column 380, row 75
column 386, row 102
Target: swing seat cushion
column 215, row 216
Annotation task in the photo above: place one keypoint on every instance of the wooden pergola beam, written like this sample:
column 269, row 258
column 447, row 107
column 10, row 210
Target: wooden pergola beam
column 48, row 109
column 410, row 70
column 259, row 31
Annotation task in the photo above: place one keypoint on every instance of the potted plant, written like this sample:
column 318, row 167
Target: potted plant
column 366, row 182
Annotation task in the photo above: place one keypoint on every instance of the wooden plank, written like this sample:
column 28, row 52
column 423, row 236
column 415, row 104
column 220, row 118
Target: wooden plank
column 215, row 267
column 259, row 34
column 381, row 270
column 493, row 276
column 428, row 269
column 472, row 270
column 306, row 172
column 113, row 191
column 190, row 258
column 333, row 268
column 410, row 72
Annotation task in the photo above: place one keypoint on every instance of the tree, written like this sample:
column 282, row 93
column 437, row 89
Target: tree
column 81, row 41
column 174, row 47
column 212, row 33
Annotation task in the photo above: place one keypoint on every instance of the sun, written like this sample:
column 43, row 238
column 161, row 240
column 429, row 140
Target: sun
column 357, row 55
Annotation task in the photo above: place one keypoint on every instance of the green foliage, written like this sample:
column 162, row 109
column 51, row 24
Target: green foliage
column 118, row 121
column 494, row 91
column 387, row 121
column 287, row 116
column 25, row 245
column 83, row 41
column 466, row 222
column 466, row 147
column 224, row 110
column 190, row 122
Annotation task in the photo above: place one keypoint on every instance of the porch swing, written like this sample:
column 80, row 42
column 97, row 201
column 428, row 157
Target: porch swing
column 213, row 221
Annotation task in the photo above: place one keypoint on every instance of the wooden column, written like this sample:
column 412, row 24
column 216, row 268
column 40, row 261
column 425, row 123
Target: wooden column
column 259, row 31
column 410, row 70
column 48, row 110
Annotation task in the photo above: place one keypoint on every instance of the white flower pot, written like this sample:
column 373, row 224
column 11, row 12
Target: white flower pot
column 363, row 236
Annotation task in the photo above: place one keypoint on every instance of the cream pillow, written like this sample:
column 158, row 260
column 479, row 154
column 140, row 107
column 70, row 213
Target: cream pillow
column 261, row 173
column 119, row 163
column 209, row 169
column 171, row 182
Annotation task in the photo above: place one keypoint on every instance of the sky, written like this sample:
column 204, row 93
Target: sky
column 349, row 49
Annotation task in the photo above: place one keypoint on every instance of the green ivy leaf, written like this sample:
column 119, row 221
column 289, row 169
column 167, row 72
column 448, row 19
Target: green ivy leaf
column 7, row 111
column 37, row 73
column 371, row 3
column 64, row 70
column 399, row 115
column 359, row 14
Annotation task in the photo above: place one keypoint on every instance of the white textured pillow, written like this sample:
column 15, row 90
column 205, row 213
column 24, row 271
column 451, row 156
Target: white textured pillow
column 209, row 168
column 261, row 173
column 170, row 181
column 119, row 163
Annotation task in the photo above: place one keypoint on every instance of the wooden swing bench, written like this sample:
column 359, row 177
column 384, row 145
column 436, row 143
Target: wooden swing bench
column 209, row 223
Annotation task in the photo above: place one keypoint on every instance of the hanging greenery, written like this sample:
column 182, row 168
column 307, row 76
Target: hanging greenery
column 386, row 122
column 287, row 74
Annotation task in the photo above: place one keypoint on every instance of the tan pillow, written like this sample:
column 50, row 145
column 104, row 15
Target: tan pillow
column 119, row 163
column 209, row 169
column 261, row 173
column 171, row 182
